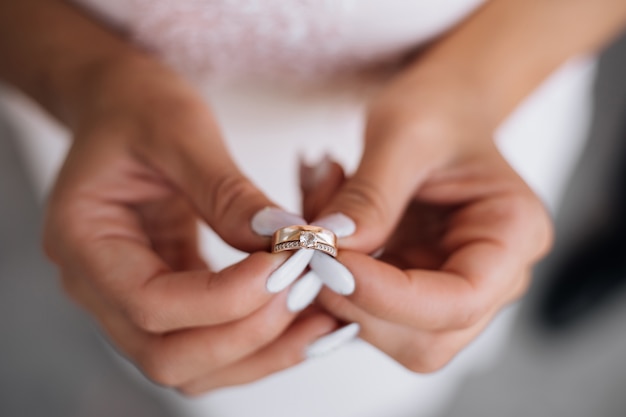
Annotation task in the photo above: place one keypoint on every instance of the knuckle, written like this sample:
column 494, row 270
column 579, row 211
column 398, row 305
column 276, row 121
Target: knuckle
column 225, row 194
column 470, row 311
column 286, row 360
column 243, row 307
column 261, row 334
column 531, row 219
column 360, row 193
column 145, row 318
column 430, row 363
column 158, row 365
column 266, row 328
column 433, row 357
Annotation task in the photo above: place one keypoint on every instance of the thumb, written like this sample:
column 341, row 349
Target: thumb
column 375, row 197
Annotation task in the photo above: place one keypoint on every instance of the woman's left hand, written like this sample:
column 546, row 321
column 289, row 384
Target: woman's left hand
column 458, row 231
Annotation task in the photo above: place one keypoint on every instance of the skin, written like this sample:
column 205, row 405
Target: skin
column 146, row 164
column 460, row 229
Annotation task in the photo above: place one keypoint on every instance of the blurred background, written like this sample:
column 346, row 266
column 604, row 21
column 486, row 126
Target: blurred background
column 565, row 356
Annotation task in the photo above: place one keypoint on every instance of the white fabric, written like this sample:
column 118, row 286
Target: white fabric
column 542, row 140
column 300, row 40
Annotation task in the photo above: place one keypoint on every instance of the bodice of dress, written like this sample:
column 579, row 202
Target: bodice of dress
column 297, row 40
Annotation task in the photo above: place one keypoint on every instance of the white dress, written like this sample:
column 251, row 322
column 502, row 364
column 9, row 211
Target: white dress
column 266, row 68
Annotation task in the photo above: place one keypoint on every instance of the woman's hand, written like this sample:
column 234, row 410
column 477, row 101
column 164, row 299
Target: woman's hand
column 146, row 165
column 458, row 229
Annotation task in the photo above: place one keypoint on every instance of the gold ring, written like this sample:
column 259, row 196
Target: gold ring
column 307, row 237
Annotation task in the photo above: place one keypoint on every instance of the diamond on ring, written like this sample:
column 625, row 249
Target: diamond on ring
column 307, row 240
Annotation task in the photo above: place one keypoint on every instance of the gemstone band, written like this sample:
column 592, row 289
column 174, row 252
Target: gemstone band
column 305, row 237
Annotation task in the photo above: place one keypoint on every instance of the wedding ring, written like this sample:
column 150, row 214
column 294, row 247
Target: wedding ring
column 305, row 237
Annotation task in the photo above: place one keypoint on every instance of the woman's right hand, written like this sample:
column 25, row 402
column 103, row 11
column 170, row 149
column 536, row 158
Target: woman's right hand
column 147, row 163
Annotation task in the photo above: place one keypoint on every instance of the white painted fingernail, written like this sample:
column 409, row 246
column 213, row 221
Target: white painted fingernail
column 332, row 341
column 303, row 292
column 269, row 219
column 332, row 273
column 288, row 272
column 339, row 223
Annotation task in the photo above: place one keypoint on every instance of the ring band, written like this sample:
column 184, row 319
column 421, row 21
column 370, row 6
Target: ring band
column 307, row 237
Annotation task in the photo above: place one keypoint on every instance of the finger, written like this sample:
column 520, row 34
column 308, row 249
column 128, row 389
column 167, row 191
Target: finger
column 98, row 239
column 287, row 351
column 196, row 161
column 179, row 357
column 377, row 194
column 489, row 243
column 135, row 281
column 419, row 350
column 172, row 227
column 433, row 300
column 200, row 298
column 318, row 183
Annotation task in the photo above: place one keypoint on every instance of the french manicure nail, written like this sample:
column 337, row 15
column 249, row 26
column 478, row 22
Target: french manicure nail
column 340, row 224
column 332, row 273
column 332, row 341
column 269, row 219
column 288, row 272
column 303, row 292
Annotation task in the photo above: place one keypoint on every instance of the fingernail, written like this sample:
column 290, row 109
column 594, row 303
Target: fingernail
column 378, row 253
column 332, row 341
column 288, row 272
column 340, row 224
column 269, row 219
column 332, row 273
column 312, row 175
column 303, row 292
